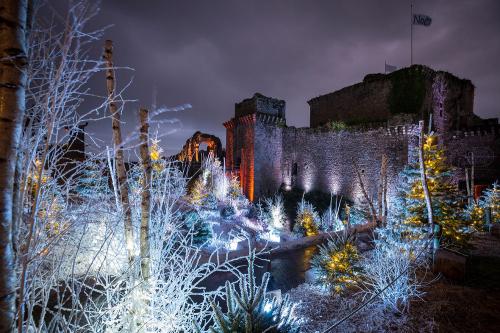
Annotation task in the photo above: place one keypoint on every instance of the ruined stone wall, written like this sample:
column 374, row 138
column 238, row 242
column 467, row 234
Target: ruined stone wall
column 262, row 104
column 324, row 160
column 362, row 102
column 408, row 91
column 230, row 143
column 486, row 148
column 268, row 155
column 244, row 153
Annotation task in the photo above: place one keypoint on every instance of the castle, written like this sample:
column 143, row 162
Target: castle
column 352, row 128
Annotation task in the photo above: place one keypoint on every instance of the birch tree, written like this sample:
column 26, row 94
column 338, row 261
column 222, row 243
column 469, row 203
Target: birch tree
column 13, row 61
column 118, row 148
column 146, row 194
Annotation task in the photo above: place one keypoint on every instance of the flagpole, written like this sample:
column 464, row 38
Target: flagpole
column 411, row 33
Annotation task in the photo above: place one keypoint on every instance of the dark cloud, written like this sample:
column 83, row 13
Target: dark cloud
column 212, row 54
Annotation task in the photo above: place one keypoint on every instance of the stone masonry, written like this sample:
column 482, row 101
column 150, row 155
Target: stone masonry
column 268, row 155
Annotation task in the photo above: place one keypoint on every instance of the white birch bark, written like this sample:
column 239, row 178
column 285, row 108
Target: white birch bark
column 118, row 150
column 13, row 62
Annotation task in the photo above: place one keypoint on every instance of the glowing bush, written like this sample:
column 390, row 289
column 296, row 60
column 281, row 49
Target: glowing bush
column 330, row 220
column 337, row 263
column 491, row 201
column 307, row 221
column 201, row 230
column 391, row 270
column 474, row 216
column 275, row 212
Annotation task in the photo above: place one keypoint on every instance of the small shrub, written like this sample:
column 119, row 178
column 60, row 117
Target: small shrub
column 336, row 126
column 330, row 220
column 250, row 310
column 210, row 202
column 491, row 201
column 227, row 212
column 201, row 230
column 337, row 263
column 390, row 272
column 308, row 220
column 275, row 212
column 474, row 217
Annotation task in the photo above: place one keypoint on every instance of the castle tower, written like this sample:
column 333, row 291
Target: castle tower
column 254, row 143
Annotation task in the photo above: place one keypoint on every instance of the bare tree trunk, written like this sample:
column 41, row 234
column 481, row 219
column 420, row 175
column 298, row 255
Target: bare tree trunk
column 382, row 190
column 468, row 187
column 118, row 150
column 373, row 211
column 472, row 178
column 423, row 176
column 146, row 194
column 13, row 63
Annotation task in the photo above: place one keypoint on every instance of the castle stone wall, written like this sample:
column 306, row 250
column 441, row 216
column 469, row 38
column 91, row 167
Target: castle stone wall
column 485, row 147
column 416, row 91
column 268, row 156
column 325, row 160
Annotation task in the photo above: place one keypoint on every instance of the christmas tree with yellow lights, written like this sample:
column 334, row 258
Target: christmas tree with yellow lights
column 337, row 263
column 307, row 221
column 446, row 199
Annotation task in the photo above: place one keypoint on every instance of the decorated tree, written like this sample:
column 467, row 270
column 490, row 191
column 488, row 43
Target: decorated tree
column 337, row 263
column 307, row 221
column 491, row 201
column 200, row 229
column 474, row 216
column 446, row 205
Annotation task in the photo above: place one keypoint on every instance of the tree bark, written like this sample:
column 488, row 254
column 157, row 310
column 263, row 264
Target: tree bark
column 382, row 190
column 118, row 150
column 473, row 192
column 146, row 194
column 373, row 212
column 423, row 177
column 13, row 64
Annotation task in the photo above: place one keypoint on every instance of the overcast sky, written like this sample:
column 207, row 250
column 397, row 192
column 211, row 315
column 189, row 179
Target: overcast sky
column 215, row 53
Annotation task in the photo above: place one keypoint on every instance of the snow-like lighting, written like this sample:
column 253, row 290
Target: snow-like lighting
column 232, row 244
column 271, row 236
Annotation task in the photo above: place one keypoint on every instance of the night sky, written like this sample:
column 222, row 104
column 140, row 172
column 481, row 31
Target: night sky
column 213, row 54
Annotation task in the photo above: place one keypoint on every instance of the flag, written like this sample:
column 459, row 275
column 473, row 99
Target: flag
column 421, row 19
column 389, row 68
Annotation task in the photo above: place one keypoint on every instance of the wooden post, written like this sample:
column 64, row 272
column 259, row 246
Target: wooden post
column 423, row 177
column 118, row 151
column 146, row 194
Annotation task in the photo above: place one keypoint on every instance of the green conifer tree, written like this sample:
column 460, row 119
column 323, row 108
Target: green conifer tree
column 337, row 263
column 251, row 310
column 446, row 199
column 491, row 201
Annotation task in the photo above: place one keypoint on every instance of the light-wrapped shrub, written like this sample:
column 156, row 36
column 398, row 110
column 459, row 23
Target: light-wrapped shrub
column 201, row 230
column 474, row 216
column 491, row 201
column 337, row 264
column 274, row 214
column 307, row 221
column 390, row 270
column 330, row 220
